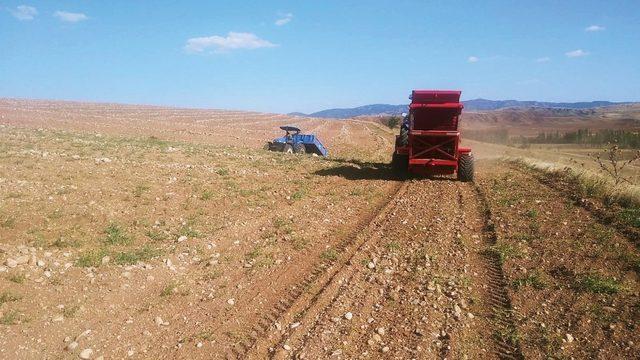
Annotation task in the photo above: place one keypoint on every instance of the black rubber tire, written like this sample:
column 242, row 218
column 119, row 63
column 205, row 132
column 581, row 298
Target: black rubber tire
column 400, row 163
column 403, row 139
column 299, row 148
column 465, row 167
column 287, row 149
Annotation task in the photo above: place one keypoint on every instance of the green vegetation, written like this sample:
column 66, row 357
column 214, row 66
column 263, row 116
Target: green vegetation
column 10, row 317
column 600, row 285
column 6, row 297
column 140, row 189
column 534, row 280
column 394, row 121
column 170, row 289
column 329, row 254
column 503, row 252
column 16, row 278
column 91, row 258
column 132, row 257
column 115, row 235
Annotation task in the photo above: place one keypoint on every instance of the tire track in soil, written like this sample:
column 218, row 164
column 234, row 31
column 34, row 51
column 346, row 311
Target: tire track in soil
column 306, row 294
column 506, row 336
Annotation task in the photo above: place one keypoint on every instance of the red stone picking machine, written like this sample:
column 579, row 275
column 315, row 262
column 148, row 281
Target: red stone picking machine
column 429, row 140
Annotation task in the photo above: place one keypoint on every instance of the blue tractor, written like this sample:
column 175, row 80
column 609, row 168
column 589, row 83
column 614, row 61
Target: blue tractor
column 294, row 142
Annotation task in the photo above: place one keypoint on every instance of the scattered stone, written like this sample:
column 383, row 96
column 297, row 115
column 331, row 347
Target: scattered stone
column 11, row 263
column 47, row 273
column 470, row 315
column 569, row 338
column 72, row 346
column 199, row 345
column 231, row 301
column 86, row 354
column 40, row 263
column 385, row 349
column 158, row 320
column 105, row 260
column 348, row 316
column 381, row 331
column 371, row 265
column 286, row 347
column 182, row 238
column 104, row 160
column 377, row 337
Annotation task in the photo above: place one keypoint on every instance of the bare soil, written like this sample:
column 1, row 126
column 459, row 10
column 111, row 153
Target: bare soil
column 148, row 232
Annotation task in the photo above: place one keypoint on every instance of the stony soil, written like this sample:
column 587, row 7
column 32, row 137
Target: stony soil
column 142, row 232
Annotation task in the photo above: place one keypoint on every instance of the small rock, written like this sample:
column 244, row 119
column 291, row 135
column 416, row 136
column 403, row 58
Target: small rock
column 371, row 265
column 470, row 315
column 21, row 260
column 11, row 263
column 286, row 347
column 182, row 238
column 377, row 337
column 105, row 260
column 385, row 349
column 569, row 338
column 40, row 263
column 47, row 273
column 86, row 354
column 199, row 345
column 348, row 316
column 72, row 345
column 381, row 331
column 231, row 301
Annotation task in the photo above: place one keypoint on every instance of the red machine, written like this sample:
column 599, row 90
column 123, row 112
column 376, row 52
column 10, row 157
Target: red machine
column 429, row 139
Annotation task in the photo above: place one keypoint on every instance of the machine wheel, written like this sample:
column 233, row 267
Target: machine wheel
column 288, row 149
column 403, row 139
column 400, row 163
column 299, row 148
column 465, row 167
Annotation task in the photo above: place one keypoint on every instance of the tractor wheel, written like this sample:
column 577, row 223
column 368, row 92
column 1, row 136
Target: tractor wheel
column 288, row 149
column 299, row 148
column 465, row 167
column 400, row 163
column 403, row 139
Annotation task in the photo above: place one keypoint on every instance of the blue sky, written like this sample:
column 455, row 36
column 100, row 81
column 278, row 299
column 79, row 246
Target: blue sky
column 283, row 56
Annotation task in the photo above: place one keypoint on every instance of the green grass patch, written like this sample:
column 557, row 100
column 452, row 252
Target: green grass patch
column 17, row 278
column 206, row 195
column 298, row 195
column 534, row 280
column 6, row 297
column 170, row 289
column 8, row 223
column 140, row 189
column 630, row 216
column 503, row 252
column 91, row 258
column 222, row 172
column 600, row 285
column 329, row 254
column 156, row 235
column 11, row 317
column 132, row 257
column 115, row 235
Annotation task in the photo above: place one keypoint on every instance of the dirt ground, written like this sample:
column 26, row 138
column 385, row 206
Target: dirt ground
column 144, row 232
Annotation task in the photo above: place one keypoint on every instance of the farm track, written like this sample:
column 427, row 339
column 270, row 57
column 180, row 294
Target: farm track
column 506, row 342
column 305, row 294
column 324, row 289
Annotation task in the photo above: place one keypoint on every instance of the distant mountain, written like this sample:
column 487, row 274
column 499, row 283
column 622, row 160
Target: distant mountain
column 475, row 104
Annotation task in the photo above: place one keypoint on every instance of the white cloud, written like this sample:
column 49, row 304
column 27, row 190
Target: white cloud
column 543, row 59
column 594, row 28
column 576, row 53
column 284, row 19
column 24, row 12
column 472, row 59
column 233, row 41
column 70, row 17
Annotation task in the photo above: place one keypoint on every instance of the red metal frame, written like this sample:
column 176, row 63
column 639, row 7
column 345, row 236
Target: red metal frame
column 434, row 146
